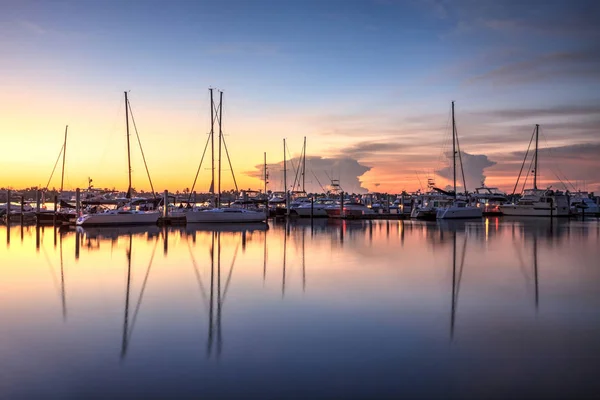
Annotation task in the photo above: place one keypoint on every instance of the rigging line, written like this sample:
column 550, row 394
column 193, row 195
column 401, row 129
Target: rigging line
column 523, row 164
column 229, row 161
column 552, row 154
column 141, row 149
column 222, row 299
column 296, row 179
column 291, row 160
column 199, row 167
column 528, row 172
column 460, row 160
column 198, row 278
column 322, row 188
column 139, row 302
column 55, row 164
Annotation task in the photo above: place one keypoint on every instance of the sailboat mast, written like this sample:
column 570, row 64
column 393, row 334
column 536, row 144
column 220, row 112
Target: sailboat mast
column 535, row 168
column 212, row 142
column 220, row 140
column 62, row 179
column 128, row 195
column 454, row 149
column 304, row 167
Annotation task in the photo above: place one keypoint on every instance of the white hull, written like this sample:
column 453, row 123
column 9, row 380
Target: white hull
column 454, row 212
column 224, row 215
column 318, row 211
column 534, row 210
column 119, row 218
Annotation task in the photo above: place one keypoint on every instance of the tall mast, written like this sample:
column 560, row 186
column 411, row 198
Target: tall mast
column 304, row 167
column 535, row 169
column 454, row 149
column 220, row 140
column 285, row 177
column 212, row 141
column 62, row 179
column 128, row 195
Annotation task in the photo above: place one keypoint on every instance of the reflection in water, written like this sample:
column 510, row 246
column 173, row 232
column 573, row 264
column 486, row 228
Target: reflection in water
column 375, row 305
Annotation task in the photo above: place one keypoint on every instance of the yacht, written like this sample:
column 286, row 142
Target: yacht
column 426, row 205
column 538, row 202
column 136, row 212
column 489, row 199
column 352, row 210
column 581, row 203
column 459, row 208
column 119, row 216
column 224, row 215
column 319, row 208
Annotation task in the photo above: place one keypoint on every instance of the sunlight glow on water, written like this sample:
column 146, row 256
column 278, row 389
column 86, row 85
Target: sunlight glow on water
column 497, row 308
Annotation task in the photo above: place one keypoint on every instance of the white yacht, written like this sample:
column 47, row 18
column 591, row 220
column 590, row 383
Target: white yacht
column 136, row 212
column 319, row 208
column 489, row 199
column 459, row 208
column 538, row 203
column 224, row 215
column 426, row 205
column 582, row 203
column 351, row 209
column 119, row 216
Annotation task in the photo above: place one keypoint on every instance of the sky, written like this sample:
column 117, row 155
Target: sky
column 369, row 84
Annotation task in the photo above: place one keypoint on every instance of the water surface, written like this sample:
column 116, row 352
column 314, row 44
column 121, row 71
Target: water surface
column 497, row 308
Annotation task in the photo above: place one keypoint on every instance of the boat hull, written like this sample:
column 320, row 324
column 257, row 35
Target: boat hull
column 224, row 216
column 318, row 212
column 454, row 212
column 128, row 218
column 533, row 211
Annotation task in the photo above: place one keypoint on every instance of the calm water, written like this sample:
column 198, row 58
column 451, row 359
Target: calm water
column 494, row 309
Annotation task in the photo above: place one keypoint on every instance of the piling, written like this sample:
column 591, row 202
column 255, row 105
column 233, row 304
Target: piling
column 341, row 204
column 77, row 202
column 312, row 208
column 166, row 204
column 7, row 206
column 22, row 208
column 387, row 203
column 38, row 201
column 55, row 208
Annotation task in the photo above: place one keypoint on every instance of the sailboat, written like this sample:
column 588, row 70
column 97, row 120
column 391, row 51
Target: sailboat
column 219, row 214
column 459, row 208
column 537, row 202
column 127, row 214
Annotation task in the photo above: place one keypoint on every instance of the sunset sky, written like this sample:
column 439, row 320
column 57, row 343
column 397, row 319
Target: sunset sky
column 369, row 83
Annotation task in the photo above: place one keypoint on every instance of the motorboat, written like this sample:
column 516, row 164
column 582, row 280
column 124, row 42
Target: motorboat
column 349, row 210
column 224, row 215
column 489, row 199
column 459, row 209
column 539, row 203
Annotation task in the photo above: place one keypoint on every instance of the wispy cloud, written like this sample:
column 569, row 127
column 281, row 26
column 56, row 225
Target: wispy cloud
column 556, row 66
column 32, row 26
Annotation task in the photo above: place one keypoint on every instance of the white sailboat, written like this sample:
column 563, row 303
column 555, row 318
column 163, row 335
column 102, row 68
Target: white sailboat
column 537, row 202
column 218, row 214
column 459, row 208
column 127, row 214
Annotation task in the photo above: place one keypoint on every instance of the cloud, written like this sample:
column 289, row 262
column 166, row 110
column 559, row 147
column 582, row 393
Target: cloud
column 319, row 172
column 556, row 66
column 474, row 166
column 32, row 27
column 552, row 111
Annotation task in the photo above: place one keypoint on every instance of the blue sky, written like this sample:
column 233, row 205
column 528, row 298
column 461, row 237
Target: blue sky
column 344, row 73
